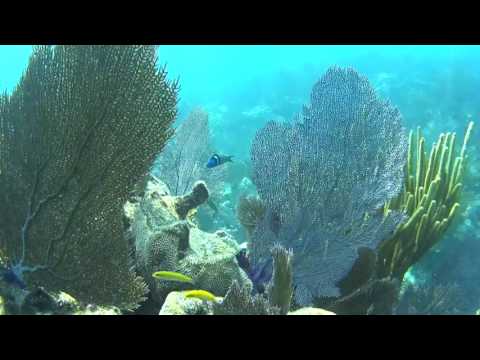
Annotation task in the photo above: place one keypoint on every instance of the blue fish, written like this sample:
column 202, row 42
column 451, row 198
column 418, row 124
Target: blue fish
column 217, row 160
column 260, row 275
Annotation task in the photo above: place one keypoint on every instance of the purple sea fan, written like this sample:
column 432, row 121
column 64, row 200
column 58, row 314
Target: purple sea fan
column 325, row 177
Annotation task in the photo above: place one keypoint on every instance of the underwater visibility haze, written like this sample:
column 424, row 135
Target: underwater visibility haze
column 240, row 180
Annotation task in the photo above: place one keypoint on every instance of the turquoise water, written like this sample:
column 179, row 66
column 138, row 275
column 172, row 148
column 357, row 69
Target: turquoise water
column 233, row 80
column 217, row 74
column 207, row 73
column 13, row 61
column 243, row 87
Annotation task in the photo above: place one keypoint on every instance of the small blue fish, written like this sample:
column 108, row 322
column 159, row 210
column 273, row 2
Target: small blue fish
column 260, row 275
column 217, row 160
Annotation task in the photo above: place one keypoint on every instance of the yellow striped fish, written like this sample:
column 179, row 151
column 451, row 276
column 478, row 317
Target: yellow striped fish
column 172, row 276
column 200, row 294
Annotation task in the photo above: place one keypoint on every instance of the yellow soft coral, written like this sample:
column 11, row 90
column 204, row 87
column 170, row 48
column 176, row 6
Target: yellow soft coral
column 430, row 198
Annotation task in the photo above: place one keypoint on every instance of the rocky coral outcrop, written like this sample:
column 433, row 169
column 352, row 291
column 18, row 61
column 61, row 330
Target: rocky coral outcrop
column 164, row 240
column 177, row 304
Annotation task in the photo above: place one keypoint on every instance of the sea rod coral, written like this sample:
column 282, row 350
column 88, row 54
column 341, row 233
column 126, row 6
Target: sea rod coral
column 80, row 129
column 431, row 197
column 324, row 179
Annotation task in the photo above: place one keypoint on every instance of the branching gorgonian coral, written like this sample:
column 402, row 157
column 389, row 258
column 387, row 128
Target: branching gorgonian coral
column 430, row 197
column 250, row 210
column 324, row 179
column 81, row 128
column 184, row 159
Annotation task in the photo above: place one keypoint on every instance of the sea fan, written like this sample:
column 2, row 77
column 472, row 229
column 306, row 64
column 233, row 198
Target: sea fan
column 324, row 179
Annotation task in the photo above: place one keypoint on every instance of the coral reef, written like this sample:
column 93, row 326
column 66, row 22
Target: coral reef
column 250, row 210
column 177, row 304
column 276, row 300
column 184, row 159
column 192, row 200
column 239, row 301
column 325, row 178
column 78, row 132
column 431, row 198
column 212, row 262
column 164, row 242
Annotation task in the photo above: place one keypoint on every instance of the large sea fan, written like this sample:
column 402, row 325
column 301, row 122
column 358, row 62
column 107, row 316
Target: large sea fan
column 324, row 179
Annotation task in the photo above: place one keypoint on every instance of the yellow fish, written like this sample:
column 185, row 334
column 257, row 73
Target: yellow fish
column 200, row 294
column 172, row 276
